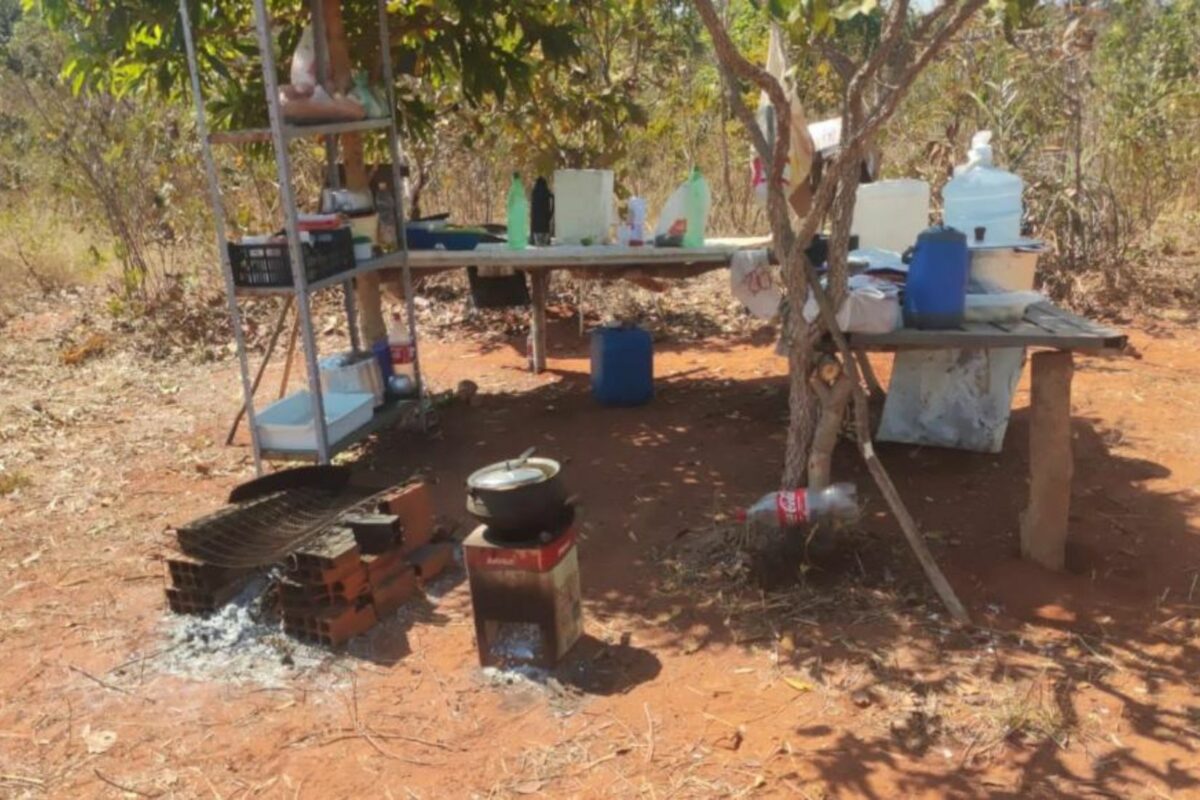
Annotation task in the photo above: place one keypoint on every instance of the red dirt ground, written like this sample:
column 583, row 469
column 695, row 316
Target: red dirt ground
column 1079, row 684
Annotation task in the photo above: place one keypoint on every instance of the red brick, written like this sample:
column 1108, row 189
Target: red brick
column 413, row 504
column 346, row 588
column 332, row 626
column 196, row 601
column 327, row 559
column 431, row 559
column 392, row 594
column 384, row 567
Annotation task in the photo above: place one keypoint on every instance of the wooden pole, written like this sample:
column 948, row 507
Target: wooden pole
column 1044, row 522
column 539, row 281
column 291, row 352
column 862, row 423
column 262, row 368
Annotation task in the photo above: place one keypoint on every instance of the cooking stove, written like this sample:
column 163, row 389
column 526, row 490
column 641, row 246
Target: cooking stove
column 524, row 594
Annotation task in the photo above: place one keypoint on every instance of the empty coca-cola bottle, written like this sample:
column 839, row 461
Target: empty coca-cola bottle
column 788, row 509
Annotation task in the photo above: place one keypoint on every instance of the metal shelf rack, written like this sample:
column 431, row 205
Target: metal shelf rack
column 279, row 134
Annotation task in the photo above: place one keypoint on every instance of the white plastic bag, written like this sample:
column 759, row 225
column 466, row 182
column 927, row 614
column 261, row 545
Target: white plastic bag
column 871, row 306
column 753, row 282
column 672, row 220
column 304, row 63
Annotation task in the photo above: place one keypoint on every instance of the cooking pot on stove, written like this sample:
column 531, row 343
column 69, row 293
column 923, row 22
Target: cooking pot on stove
column 522, row 496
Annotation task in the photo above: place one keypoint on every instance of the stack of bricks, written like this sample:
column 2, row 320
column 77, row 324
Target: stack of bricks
column 363, row 569
column 200, row 588
column 356, row 573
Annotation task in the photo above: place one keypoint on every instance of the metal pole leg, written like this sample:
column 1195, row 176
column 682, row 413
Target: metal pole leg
column 539, row 282
column 214, row 192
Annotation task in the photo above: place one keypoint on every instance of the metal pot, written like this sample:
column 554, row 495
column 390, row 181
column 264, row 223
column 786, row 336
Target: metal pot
column 522, row 496
column 1009, row 268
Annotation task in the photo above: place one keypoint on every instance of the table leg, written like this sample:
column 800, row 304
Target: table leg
column 539, row 281
column 1044, row 521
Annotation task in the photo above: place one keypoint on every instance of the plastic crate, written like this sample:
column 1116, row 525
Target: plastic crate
column 327, row 253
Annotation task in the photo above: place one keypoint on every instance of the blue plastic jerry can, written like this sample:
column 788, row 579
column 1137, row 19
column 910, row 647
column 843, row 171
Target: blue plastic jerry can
column 622, row 366
column 935, row 293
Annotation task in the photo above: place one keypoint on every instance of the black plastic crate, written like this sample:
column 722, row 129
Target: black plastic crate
column 263, row 265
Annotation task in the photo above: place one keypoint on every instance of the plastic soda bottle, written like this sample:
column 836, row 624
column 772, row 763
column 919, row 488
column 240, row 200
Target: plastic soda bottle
column 789, row 509
column 696, row 202
column 518, row 215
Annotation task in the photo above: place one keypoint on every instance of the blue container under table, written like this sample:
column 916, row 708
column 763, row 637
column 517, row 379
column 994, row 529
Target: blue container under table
column 622, row 366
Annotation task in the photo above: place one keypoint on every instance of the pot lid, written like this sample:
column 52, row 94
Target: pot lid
column 504, row 477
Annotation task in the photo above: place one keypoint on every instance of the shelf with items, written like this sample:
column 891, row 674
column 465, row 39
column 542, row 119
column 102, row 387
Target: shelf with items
column 293, row 131
column 293, row 256
column 386, row 416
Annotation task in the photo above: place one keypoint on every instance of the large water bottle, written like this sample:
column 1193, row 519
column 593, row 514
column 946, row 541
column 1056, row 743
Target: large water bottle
column 696, row 202
column 518, row 215
column 980, row 195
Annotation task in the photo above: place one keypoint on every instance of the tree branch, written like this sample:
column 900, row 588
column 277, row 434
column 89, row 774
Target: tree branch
column 731, row 59
column 893, row 32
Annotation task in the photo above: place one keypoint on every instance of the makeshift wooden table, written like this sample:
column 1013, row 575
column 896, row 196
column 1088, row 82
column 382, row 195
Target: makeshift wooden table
column 592, row 262
column 1057, row 334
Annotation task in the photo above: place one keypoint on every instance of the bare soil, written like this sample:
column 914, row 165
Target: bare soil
column 690, row 682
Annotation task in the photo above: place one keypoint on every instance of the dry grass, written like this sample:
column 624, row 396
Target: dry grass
column 13, row 481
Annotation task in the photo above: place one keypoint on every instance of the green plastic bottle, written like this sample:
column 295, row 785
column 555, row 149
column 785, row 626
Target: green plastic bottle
column 696, row 201
column 518, row 215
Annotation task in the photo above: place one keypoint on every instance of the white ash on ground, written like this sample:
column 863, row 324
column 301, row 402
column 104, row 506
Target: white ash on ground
column 242, row 643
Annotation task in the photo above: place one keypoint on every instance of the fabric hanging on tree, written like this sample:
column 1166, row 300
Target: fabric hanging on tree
column 800, row 148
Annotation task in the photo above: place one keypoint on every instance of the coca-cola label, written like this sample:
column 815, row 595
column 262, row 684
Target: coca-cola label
column 403, row 353
column 792, row 508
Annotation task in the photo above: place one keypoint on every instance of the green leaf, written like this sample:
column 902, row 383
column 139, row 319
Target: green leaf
column 854, row 8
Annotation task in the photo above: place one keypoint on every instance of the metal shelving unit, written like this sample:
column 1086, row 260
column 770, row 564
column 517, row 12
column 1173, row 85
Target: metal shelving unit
column 279, row 134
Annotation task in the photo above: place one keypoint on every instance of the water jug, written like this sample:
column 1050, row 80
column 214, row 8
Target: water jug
column 541, row 213
column 980, row 195
column 936, row 291
column 889, row 214
column 622, row 366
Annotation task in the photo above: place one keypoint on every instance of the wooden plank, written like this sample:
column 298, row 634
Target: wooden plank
column 908, row 338
column 717, row 252
column 1064, row 320
column 1044, row 325
column 538, row 286
column 292, row 131
column 1044, row 521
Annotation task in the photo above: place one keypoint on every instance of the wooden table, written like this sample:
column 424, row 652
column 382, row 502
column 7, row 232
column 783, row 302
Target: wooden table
column 593, row 262
column 1058, row 334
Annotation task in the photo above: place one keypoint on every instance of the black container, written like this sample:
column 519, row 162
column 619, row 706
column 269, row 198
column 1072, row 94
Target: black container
column 501, row 291
column 269, row 265
column 541, row 213
column 818, row 250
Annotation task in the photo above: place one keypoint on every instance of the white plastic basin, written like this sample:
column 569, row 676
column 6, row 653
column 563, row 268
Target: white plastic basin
column 288, row 424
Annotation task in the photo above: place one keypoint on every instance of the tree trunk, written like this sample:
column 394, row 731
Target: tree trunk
column 802, row 403
column 833, row 410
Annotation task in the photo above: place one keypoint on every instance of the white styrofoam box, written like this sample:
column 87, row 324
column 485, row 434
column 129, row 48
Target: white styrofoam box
column 349, row 374
column 288, row 424
column 888, row 215
column 583, row 205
